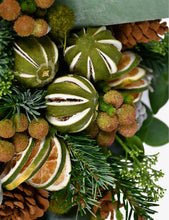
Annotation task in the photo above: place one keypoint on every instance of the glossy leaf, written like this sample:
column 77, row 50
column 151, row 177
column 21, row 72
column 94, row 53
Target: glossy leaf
column 108, row 12
column 153, row 131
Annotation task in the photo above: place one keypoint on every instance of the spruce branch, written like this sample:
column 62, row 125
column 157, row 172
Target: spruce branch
column 23, row 100
column 90, row 172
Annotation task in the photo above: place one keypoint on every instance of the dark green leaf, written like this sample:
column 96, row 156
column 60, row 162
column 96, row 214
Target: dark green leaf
column 157, row 133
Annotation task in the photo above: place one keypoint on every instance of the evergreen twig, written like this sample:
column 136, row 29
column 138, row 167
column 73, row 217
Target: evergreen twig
column 26, row 101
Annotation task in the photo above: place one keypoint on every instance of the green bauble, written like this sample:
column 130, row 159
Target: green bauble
column 36, row 61
column 56, row 205
column 72, row 103
column 94, row 53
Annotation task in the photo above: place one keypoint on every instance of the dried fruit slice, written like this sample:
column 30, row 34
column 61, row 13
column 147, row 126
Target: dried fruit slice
column 128, row 62
column 132, row 76
column 52, row 168
column 36, row 61
column 36, row 159
column 72, row 103
column 135, row 87
column 136, row 96
column 94, row 53
column 14, row 166
column 64, row 177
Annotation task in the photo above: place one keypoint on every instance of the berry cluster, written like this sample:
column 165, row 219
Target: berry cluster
column 24, row 24
column 15, row 134
column 117, row 114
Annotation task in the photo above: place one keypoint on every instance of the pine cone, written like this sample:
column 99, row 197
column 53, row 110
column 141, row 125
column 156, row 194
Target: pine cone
column 138, row 32
column 23, row 203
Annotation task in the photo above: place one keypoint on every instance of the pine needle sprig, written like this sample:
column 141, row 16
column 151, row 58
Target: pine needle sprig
column 28, row 101
column 90, row 172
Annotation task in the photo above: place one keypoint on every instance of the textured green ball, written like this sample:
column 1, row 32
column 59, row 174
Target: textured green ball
column 36, row 61
column 56, row 206
column 61, row 20
column 28, row 6
column 94, row 53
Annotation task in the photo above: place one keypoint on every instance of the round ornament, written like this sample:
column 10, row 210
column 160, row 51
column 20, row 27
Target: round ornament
column 94, row 53
column 36, row 61
column 72, row 103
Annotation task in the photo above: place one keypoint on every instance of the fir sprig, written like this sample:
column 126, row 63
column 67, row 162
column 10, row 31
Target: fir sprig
column 90, row 172
column 28, row 101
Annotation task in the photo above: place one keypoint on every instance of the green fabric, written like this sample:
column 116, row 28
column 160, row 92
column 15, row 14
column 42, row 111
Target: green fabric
column 107, row 12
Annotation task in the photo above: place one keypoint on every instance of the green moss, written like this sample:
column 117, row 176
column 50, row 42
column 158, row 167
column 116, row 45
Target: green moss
column 61, row 20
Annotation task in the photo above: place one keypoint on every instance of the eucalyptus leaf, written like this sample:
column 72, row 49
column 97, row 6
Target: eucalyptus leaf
column 108, row 12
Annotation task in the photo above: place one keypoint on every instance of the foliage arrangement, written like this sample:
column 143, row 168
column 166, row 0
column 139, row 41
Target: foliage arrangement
column 72, row 121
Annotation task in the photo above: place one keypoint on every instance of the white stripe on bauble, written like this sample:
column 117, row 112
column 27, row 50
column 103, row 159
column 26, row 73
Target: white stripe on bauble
column 65, row 97
column 24, row 75
column 69, row 48
column 72, row 79
column 86, row 125
column 90, row 69
column 25, row 55
column 111, row 66
column 70, row 121
column 113, row 42
column 75, row 61
column 102, row 28
column 56, row 52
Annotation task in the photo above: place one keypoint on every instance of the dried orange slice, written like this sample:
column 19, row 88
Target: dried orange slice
column 36, row 159
column 52, row 168
column 13, row 167
column 64, row 177
column 132, row 76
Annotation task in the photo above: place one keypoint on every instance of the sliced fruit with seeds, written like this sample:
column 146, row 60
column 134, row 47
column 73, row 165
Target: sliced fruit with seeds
column 36, row 61
column 36, row 159
column 135, row 87
column 72, row 103
column 64, row 177
column 52, row 168
column 94, row 53
column 13, row 167
column 128, row 62
column 132, row 76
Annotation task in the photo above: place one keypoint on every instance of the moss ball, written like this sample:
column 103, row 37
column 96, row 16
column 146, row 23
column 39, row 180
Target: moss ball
column 20, row 141
column 114, row 98
column 105, row 139
column 7, row 128
column 126, row 114
column 128, row 130
column 38, row 129
column 9, row 10
column 44, row 3
column 55, row 205
column 61, row 19
column 106, row 122
column 7, row 151
column 21, row 122
column 41, row 28
column 24, row 25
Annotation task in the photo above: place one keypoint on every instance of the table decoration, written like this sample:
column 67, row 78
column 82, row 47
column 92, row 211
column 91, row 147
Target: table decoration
column 72, row 121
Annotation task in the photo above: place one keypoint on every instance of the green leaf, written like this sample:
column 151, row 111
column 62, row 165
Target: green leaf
column 157, row 133
column 108, row 12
